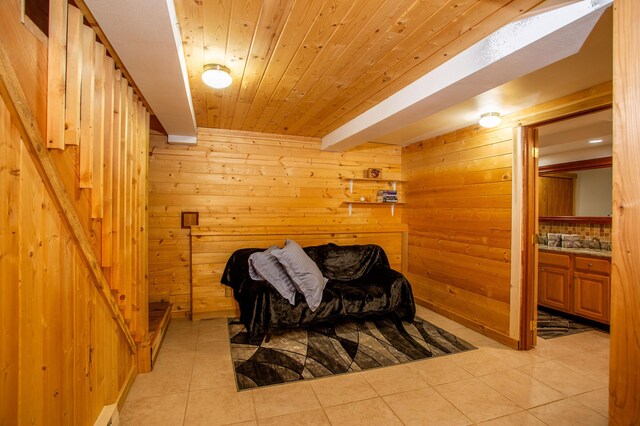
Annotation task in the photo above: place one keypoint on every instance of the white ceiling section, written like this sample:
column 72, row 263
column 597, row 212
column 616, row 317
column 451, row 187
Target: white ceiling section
column 511, row 52
column 568, row 140
column 147, row 38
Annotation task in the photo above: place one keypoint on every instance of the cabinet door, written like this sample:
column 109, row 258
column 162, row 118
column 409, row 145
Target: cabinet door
column 591, row 296
column 556, row 196
column 553, row 288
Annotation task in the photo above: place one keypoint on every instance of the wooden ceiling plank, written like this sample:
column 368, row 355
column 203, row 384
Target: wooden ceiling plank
column 333, row 16
column 467, row 27
column 272, row 20
column 189, row 14
column 242, row 30
column 355, row 46
column 348, row 99
column 302, row 16
column 370, row 51
column 284, row 81
column 216, row 16
column 345, row 44
column 458, row 37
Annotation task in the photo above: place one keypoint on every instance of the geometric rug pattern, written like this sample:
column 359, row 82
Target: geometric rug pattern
column 327, row 349
column 551, row 325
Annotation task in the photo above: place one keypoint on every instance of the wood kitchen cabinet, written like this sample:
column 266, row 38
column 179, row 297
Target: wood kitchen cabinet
column 556, row 195
column 592, row 288
column 575, row 284
column 554, row 288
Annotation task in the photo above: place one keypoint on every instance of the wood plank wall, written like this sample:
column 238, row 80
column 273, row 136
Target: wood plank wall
column 237, row 180
column 68, row 331
column 459, row 216
column 624, row 383
column 62, row 356
column 210, row 250
column 459, row 213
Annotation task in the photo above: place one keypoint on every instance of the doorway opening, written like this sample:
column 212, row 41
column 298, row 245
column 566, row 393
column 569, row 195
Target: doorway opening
column 566, row 224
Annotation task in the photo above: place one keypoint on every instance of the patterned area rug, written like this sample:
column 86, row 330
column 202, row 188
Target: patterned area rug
column 552, row 325
column 326, row 349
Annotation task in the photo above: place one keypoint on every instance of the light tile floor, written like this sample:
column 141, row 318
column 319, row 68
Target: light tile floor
column 563, row 381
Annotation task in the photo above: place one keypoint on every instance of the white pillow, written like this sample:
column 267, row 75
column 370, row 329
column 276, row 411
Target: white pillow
column 264, row 266
column 303, row 271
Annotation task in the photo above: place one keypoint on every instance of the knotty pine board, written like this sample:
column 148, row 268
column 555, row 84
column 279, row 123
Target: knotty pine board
column 63, row 356
column 459, row 216
column 240, row 180
column 624, row 383
column 210, row 251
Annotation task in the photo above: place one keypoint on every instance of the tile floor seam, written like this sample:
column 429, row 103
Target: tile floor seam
column 534, row 415
column 524, row 410
column 565, row 396
column 353, row 402
column 554, row 402
column 398, row 416
column 392, row 410
column 560, row 357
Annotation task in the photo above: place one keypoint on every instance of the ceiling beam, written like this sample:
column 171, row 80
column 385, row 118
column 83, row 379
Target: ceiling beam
column 511, row 52
column 146, row 37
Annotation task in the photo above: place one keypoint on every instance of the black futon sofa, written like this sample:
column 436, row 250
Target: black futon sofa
column 361, row 286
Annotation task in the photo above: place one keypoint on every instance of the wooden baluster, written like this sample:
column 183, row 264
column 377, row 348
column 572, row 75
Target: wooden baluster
column 74, row 77
column 56, row 73
column 107, row 220
column 97, row 192
column 86, row 108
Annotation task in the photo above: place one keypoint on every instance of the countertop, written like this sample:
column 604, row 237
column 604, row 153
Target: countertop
column 582, row 251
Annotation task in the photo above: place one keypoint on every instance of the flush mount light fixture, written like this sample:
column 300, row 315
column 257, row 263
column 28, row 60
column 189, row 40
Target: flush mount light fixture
column 216, row 76
column 596, row 141
column 490, row 119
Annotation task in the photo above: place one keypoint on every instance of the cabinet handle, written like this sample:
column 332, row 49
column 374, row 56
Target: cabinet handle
column 590, row 264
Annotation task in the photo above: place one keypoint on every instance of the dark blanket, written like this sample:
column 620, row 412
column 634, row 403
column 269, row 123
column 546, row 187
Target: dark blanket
column 361, row 285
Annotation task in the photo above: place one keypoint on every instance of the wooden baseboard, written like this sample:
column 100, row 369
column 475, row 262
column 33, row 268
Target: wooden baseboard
column 230, row 313
column 124, row 391
column 482, row 329
column 158, row 337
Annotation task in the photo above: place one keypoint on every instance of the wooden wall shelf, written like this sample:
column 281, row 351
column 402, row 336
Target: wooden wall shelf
column 393, row 182
column 371, row 203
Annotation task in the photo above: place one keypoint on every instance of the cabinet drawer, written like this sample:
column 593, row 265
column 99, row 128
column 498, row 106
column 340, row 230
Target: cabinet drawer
column 589, row 264
column 555, row 259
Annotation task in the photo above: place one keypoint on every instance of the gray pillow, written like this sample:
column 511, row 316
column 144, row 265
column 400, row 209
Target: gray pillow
column 303, row 271
column 264, row 266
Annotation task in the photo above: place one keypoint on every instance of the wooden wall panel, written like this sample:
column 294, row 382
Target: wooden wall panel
column 624, row 382
column 211, row 249
column 240, row 180
column 69, row 350
column 459, row 217
column 58, row 336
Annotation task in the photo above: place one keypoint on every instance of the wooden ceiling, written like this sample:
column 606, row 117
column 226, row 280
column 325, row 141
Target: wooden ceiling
column 306, row 67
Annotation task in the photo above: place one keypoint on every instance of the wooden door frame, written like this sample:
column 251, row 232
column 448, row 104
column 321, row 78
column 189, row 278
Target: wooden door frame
column 529, row 254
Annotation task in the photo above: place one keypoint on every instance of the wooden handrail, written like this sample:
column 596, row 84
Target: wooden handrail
column 17, row 104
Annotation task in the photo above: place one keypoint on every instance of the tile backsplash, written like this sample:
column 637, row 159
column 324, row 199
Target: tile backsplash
column 585, row 230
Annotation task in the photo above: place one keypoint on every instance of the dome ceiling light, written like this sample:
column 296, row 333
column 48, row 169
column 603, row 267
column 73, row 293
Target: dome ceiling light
column 216, row 76
column 490, row 119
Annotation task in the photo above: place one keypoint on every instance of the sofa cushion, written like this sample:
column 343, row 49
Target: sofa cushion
column 346, row 263
column 303, row 271
column 264, row 266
